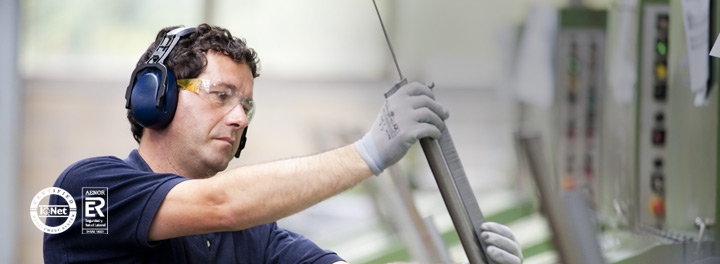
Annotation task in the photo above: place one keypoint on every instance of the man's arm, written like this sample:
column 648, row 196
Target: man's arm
column 257, row 194
column 260, row 194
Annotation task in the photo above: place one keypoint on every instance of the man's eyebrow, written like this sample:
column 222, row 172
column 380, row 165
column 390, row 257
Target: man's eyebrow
column 229, row 85
column 232, row 86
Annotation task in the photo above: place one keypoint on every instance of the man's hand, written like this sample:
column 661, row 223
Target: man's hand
column 502, row 246
column 408, row 115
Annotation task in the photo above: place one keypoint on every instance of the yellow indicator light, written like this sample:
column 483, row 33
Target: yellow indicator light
column 661, row 71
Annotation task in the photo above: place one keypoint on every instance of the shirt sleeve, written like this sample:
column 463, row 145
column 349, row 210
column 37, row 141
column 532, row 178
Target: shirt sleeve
column 288, row 247
column 134, row 197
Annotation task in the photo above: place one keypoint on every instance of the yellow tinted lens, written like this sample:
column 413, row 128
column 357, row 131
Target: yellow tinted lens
column 189, row 84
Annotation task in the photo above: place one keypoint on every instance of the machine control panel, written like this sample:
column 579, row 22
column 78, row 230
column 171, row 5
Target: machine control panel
column 653, row 97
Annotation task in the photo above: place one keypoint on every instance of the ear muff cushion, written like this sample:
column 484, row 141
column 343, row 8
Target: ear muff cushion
column 144, row 98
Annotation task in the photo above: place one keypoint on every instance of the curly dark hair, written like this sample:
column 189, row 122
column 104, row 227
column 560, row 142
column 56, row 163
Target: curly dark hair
column 187, row 59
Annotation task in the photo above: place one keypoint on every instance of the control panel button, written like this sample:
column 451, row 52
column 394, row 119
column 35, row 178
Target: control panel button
column 661, row 71
column 656, row 205
column 658, row 136
column 660, row 92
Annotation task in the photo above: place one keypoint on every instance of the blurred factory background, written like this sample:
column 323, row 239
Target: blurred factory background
column 621, row 94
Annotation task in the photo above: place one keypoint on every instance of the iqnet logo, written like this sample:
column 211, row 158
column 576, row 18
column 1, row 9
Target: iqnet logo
column 67, row 210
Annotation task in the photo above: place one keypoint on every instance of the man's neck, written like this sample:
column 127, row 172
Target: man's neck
column 162, row 160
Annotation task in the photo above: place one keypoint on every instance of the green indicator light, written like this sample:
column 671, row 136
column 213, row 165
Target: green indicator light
column 573, row 66
column 661, row 48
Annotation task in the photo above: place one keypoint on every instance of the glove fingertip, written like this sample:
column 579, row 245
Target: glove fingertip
column 488, row 226
column 437, row 134
column 484, row 236
column 493, row 252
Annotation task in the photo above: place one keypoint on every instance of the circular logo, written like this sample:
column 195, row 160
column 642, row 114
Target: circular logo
column 68, row 211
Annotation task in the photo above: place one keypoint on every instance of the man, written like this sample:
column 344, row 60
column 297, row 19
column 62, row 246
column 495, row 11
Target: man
column 171, row 201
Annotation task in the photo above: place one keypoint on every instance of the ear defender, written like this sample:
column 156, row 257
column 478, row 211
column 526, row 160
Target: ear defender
column 152, row 94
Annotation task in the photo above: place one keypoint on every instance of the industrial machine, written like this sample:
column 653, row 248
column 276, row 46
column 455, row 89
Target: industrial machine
column 636, row 126
column 660, row 175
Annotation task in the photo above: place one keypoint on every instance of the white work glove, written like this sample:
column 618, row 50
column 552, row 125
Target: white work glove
column 502, row 246
column 408, row 115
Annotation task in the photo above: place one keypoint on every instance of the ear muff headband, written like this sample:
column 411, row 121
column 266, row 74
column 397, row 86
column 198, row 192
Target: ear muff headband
column 168, row 43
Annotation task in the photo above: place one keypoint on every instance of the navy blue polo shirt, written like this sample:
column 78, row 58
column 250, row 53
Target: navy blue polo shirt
column 134, row 196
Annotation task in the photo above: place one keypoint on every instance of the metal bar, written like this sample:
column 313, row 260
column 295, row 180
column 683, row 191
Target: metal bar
column 573, row 234
column 387, row 39
column 437, row 241
column 423, row 245
column 456, row 203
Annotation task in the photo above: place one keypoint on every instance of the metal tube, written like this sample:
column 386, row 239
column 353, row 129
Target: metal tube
column 573, row 234
column 452, row 199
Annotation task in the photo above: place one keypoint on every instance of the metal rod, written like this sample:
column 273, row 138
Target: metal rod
column 550, row 204
column 453, row 201
column 387, row 39
column 573, row 234
column 420, row 242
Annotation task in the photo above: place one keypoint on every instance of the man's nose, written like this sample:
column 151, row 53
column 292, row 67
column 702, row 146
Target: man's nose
column 236, row 117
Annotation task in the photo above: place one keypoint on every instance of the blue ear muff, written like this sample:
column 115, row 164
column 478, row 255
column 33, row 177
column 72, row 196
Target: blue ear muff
column 154, row 96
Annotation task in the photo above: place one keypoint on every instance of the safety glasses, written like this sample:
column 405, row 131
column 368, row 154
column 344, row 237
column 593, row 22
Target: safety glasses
column 224, row 96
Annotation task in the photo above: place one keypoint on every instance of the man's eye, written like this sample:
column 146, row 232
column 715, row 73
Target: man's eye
column 220, row 96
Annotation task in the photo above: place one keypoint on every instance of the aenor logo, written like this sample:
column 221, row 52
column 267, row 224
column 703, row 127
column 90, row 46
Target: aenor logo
column 65, row 208
column 95, row 210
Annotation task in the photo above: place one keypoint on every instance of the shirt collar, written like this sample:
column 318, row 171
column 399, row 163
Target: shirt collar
column 137, row 162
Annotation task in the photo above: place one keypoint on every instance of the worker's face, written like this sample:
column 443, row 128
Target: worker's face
column 208, row 136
